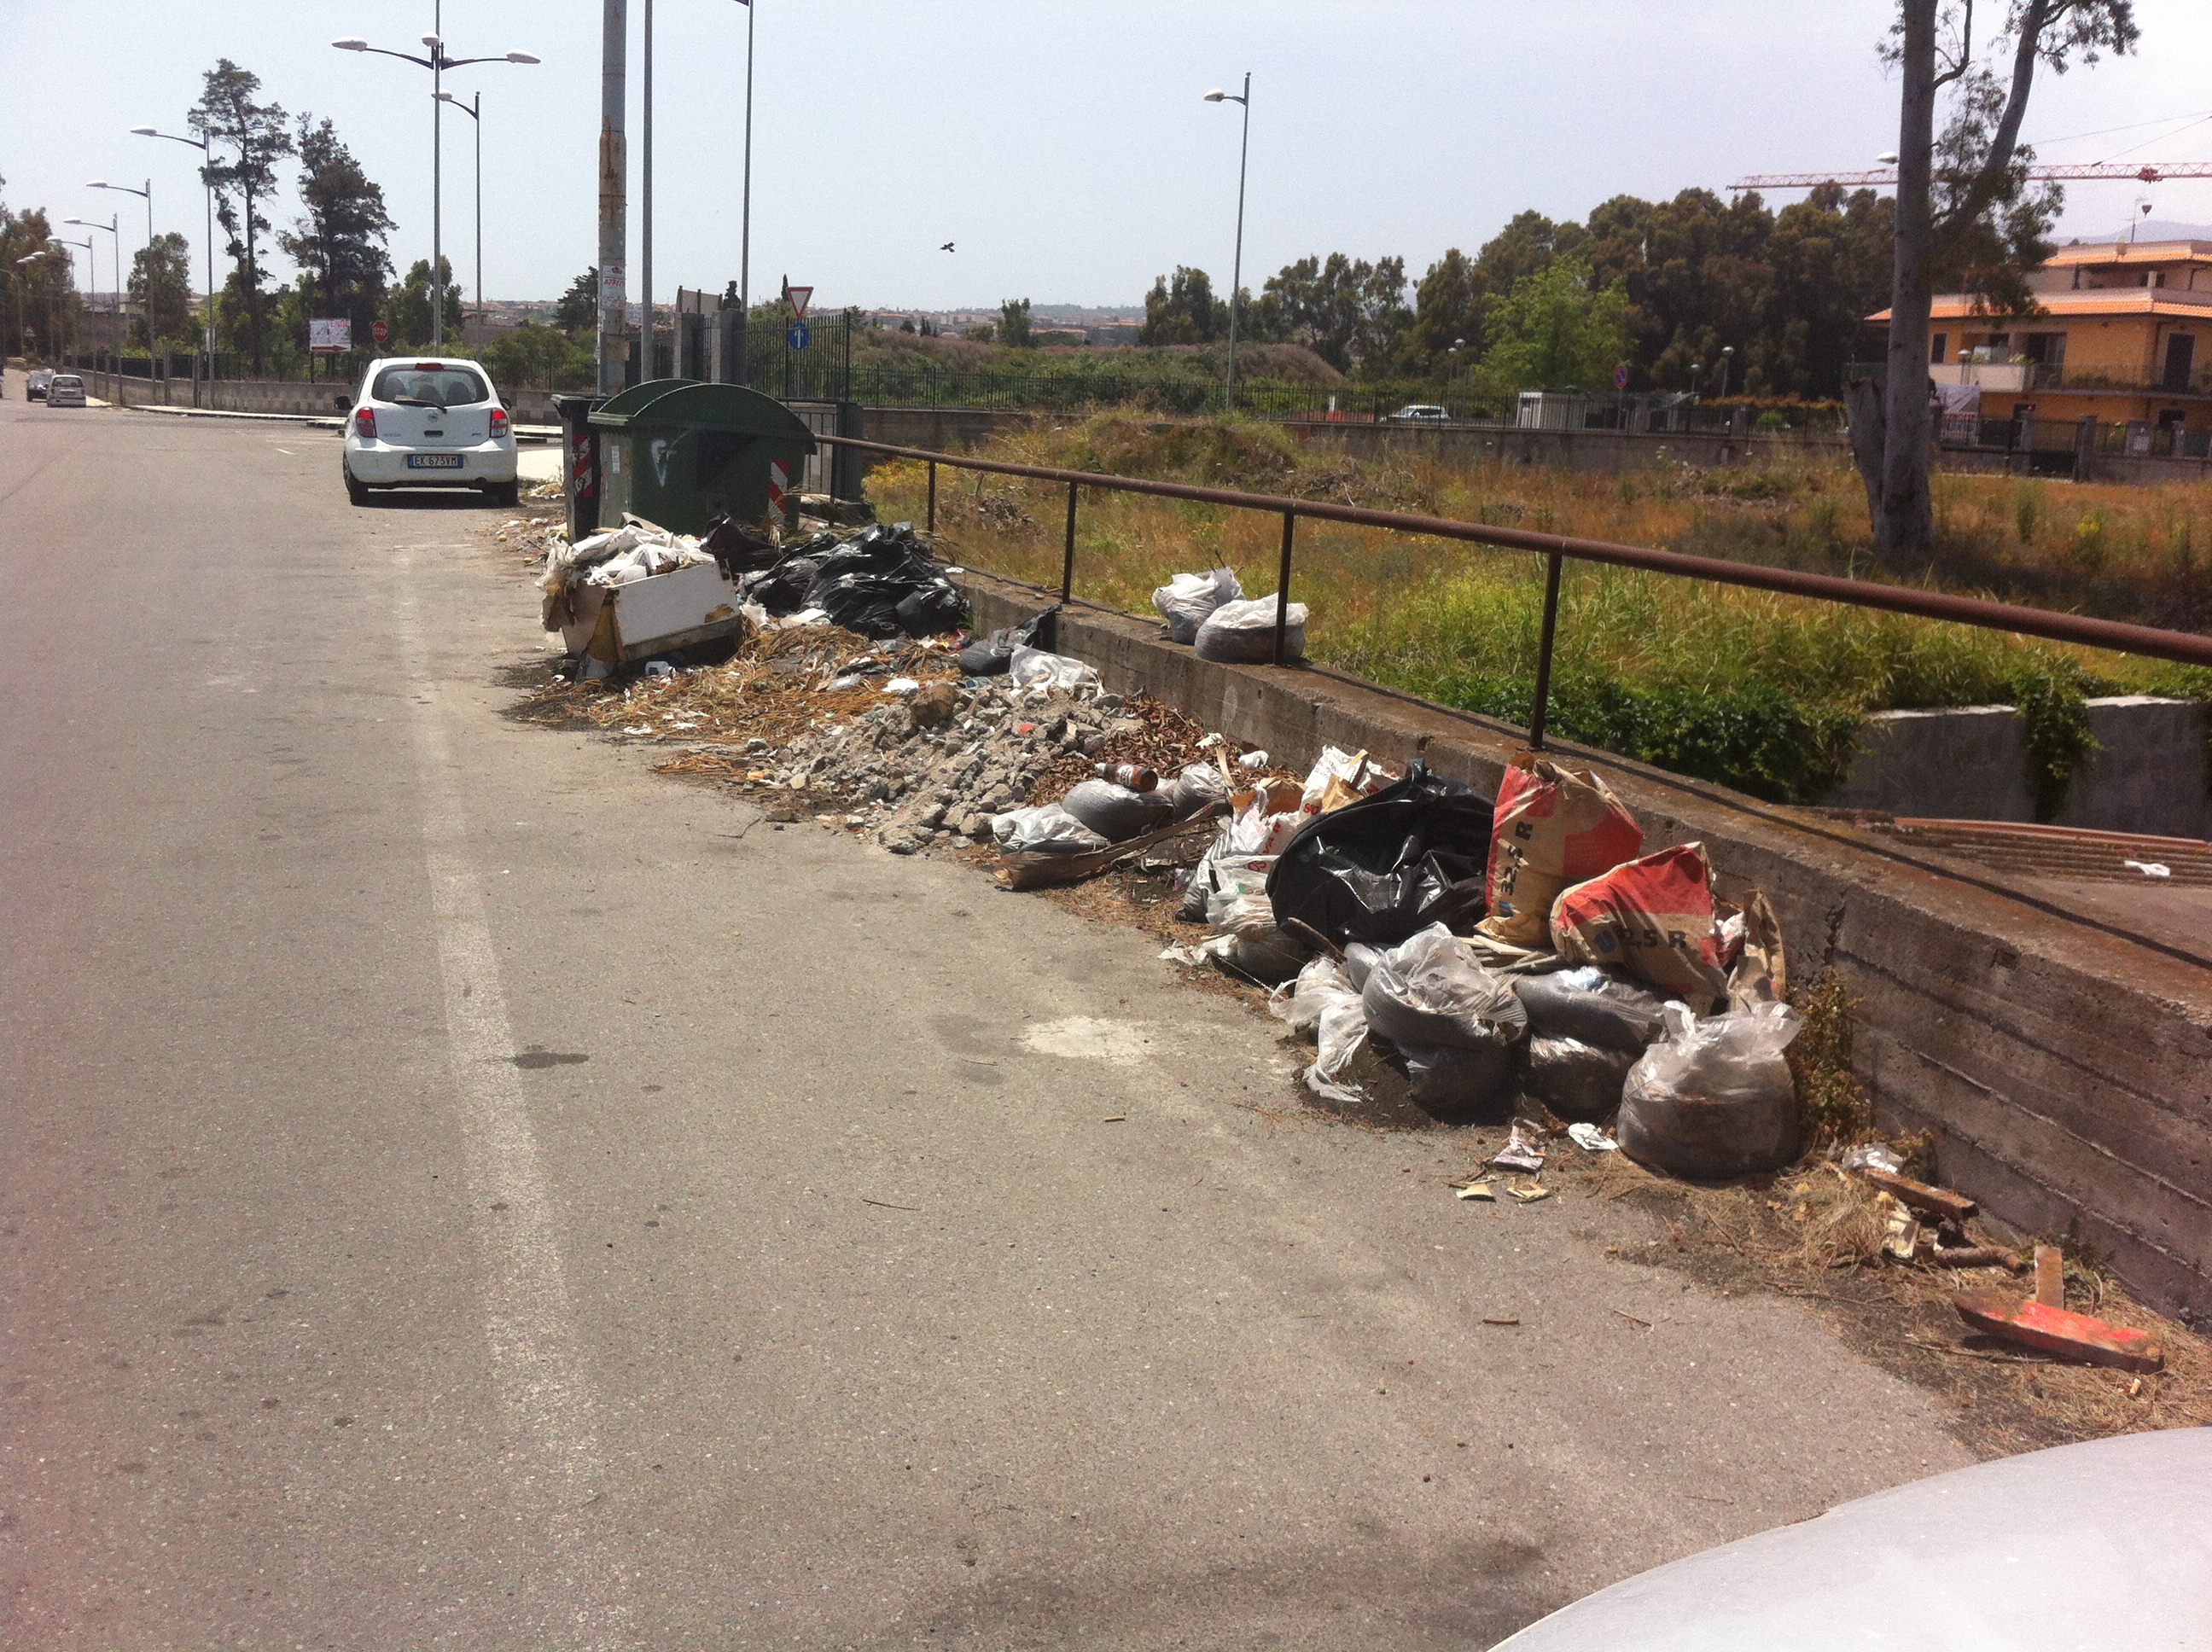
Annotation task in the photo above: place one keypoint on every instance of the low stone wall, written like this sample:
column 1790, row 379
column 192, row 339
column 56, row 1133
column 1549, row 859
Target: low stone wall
column 1970, row 762
column 1607, row 451
column 320, row 398
column 2063, row 1067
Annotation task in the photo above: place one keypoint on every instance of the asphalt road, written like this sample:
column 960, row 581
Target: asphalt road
column 463, row 1190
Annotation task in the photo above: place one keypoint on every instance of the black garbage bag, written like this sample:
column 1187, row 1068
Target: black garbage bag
column 782, row 589
column 882, row 583
column 740, row 549
column 1376, row 871
column 1116, row 813
column 935, row 609
column 1456, row 1085
column 1577, row 1081
column 991, row 656
column 1592, row 1006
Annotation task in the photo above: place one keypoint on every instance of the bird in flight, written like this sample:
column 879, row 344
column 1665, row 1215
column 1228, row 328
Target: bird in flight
column 947, row 247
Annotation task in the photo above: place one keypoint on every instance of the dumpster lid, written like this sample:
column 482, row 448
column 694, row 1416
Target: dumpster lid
column 687, row 403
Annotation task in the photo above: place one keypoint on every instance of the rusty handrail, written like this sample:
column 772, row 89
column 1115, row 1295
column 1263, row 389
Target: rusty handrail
column 2182, row 647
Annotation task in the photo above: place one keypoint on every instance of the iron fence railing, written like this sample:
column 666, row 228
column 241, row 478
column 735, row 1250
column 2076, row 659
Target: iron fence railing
column 2150, row 642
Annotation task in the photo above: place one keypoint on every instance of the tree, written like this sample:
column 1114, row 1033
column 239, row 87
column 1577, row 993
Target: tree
column 1181, row 309
column 407, row 309
column 339, row 240
column 1348, row 312
column 543, row 356
column 258, row 139
column 40, row 297
column 1014, row 324
column 1982, row 206
column 1556, row 329
column 161, row 286
column 579, row 308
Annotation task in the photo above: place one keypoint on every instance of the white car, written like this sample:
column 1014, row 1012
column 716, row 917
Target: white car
column 1418, row 413
column 422, row 423
column 65, row 390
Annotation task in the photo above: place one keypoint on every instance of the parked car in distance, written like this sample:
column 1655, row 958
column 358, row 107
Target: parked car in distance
column 34, row 387
column 65, row 390
column 1418, row 413
column 419, row 423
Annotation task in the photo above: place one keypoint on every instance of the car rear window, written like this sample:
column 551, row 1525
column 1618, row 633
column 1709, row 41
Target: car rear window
column 69, row 380
column 445, row 386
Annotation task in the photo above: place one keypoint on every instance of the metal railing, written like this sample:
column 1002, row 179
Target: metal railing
column 2180, row 646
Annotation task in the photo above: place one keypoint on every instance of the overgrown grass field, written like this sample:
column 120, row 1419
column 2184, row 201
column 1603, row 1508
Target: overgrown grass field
column 1758, row 691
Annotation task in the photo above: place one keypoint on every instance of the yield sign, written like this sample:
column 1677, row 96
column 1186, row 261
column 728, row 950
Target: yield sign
column 800, row 297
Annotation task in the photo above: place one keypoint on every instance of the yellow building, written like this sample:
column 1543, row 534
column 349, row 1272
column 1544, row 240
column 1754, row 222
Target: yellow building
column 2125, row 338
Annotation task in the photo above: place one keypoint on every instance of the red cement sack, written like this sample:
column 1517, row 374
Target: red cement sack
column 1653, row 917
column 1551, row 827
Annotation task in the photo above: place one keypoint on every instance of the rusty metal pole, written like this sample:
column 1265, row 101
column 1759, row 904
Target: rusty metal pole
column 1067, row 559
column 1544, row 651
column 1283, row 585
column 932, row 495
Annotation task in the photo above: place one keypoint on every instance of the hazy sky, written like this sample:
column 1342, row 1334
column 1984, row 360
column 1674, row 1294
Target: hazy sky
column 1063, row 145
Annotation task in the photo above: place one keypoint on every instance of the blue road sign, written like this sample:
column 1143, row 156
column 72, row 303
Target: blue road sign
column 800, row 336
column 1621, row 376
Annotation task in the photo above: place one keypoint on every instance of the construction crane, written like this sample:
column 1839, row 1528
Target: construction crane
column 2146, row 174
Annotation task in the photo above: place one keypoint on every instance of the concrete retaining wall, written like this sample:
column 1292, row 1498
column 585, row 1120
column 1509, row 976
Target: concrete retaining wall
column 276, row 396
column 2064, row 1067
column 2148, row 774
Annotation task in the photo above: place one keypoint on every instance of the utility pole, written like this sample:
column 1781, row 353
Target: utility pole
column 647, row 367
column 745, row 233
column 614, row 167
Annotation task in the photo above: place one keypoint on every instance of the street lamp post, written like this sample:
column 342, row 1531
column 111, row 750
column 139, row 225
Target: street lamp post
column 1728, row 360
column 437, row 63
column 16, row 274
column 474, row 110
column 1237, row 268
column 745, row 229
column 147, row 192
column 113, row 226
column 91, row 255
column 207, row 331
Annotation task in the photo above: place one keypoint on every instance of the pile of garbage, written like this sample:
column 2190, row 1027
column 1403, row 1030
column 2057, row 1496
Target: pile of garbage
column 880, row 582
column 636, row 550
column 1511, row 953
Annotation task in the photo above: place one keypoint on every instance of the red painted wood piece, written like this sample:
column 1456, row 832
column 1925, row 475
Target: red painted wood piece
column 2059, row 1331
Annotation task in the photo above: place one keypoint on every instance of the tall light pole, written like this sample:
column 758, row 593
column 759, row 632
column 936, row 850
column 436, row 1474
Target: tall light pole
column 147, row 192
column 113, row 226
column 614, row 185
column 474, row 110
column 437, row 63
column 91, row 258
column 16, row 274
column 207, row 331
column 647, row 367
column 1728, row 360
column 745, row 233
column 1236, row 269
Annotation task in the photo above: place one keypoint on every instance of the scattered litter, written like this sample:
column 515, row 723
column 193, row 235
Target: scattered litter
column 1644, row 1325
column 1481, row 1190
column 1938, row 1202
column 2049, row 1276
column 1132, row 777
column 1325, row 1003
column 1117, row 813
column 1189, row 599
column 1716, row 1099
column 1528, row 1192
column 1654, row 917
column 1185, row 953
column 2058, row 1331
column 658, row 668
column 1501, row 1319
column 991, row 656
column 1045, row 828
column 1115, row 1118
column 1519, row 1153
column 2150, row 868
column 1034, row 669
column 1378, row 867
column 1254, row 760
column 900, row 685
column 1872, row 1155
column 1591, row 1139
column 886, row 1205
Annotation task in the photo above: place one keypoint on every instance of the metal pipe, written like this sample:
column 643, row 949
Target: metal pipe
column 1541, row 708
column 1237, row 266
column 1283, row 585
column 1068, row 558
column 2184, row 647
column 932, row 495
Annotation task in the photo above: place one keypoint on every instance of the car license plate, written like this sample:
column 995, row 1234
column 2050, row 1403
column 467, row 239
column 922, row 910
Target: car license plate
column 434, row 461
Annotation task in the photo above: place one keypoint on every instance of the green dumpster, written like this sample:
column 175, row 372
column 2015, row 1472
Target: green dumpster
column 680, row 453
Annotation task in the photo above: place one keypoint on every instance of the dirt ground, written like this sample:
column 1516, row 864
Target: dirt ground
column 1811, row 1232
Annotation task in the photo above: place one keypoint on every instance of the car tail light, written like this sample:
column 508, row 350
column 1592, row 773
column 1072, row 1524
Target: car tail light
column 498, row 421
column 364, row 423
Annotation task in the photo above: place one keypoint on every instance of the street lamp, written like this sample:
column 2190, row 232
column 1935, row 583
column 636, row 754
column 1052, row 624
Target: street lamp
column 745, row 233
column 437, row 63
column 1728, row 360
column 113, row 226
column 90, row 254
column 207, row 331
column 148, row 193
column 16, row 274
column 474, row 110
column 1236, row 269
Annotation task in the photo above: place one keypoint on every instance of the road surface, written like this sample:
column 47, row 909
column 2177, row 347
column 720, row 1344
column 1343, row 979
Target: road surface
column 467, row 1190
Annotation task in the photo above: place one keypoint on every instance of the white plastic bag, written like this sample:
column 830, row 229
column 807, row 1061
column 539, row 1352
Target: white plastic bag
column 1045, row 827
column 1326, row 1004
column 1186, row 600
column 1033, row 668
column 1715, row 1098
column 1198, row 785
column 1428, row 991
column 1251, row 941
column 1352, row 768
column 1243, row 633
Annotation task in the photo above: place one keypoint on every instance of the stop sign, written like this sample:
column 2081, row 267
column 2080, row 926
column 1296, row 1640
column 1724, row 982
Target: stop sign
column 382, row 330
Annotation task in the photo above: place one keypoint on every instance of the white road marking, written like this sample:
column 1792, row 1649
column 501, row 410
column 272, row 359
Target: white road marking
column 546, row 1400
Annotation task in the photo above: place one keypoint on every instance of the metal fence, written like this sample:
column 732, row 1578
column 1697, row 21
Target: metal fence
column 2182, row 647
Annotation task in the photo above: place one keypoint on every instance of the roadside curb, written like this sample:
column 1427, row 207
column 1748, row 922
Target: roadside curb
column 532, row 433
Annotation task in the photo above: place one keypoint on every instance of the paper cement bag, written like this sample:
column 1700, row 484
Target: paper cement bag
column 1652, row 917
column 1553, row 828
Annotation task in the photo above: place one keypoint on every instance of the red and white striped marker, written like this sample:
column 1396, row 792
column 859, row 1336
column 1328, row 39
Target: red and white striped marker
column 779, row 487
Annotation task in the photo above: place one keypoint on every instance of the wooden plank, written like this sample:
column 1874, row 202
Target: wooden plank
column 2049, row 1276
column 1940, row 1202
column 2056, row 1331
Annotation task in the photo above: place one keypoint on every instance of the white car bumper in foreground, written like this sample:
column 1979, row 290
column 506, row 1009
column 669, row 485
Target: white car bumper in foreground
column 382, row 466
